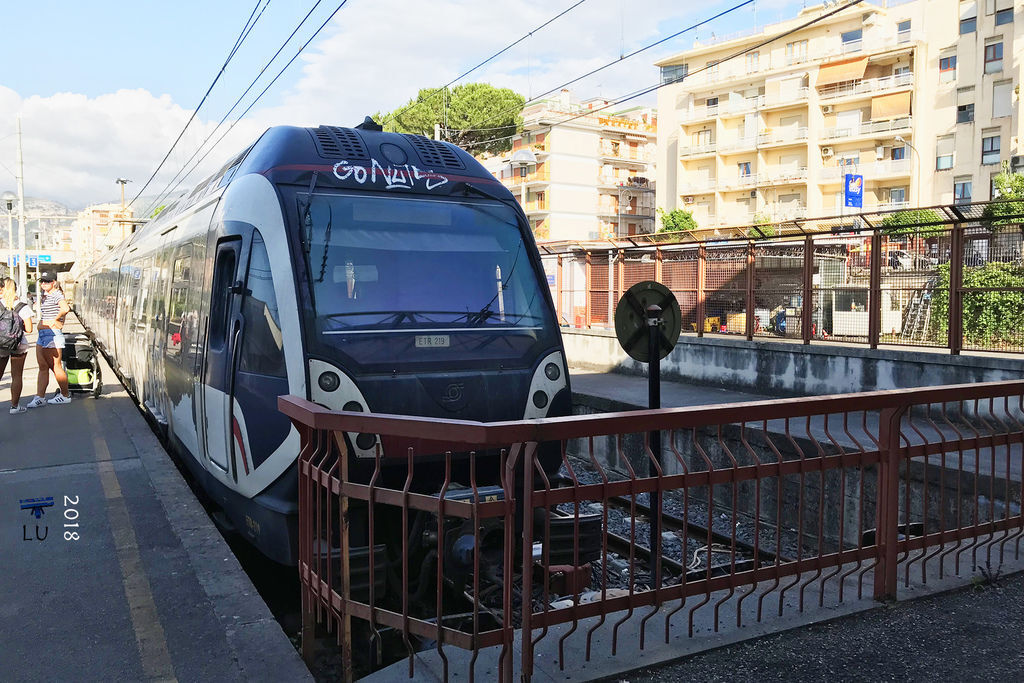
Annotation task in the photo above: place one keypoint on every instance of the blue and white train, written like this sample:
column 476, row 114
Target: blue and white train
column 363, row 270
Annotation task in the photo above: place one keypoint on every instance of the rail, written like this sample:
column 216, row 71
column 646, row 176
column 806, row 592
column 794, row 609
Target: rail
column 576, row 532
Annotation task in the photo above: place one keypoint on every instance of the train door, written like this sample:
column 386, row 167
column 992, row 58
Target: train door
column 225, row 327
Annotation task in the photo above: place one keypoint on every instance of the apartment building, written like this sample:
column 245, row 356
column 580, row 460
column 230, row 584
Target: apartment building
column 583, row 174
column 921, row 97
column 97, row 229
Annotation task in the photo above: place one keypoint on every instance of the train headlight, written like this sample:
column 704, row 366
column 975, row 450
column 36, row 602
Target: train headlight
column 366, row 441
column 552, row 372
column 329, row 381
column 353, row 407
column 540, row 399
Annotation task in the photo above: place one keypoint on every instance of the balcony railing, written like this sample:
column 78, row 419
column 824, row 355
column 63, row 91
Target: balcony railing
column 537, row 205
column 693, row 150
column 699, row 185
column 746, row 142
column 787, row 175
column 867, row 128
column 892, row 206
column 535, row 177
column 786, row 97
column 866, row 86
column 625, row 154
column 873, row 171
column 782, row 135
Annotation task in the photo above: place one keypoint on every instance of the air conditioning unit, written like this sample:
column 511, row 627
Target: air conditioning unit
column 1017, row 163
column 826, row 109
column 879, row 152
column 688, row 199
column 827, row 152
column 753, row 193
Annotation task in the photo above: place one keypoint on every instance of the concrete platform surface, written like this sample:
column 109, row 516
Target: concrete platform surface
column 144, row 587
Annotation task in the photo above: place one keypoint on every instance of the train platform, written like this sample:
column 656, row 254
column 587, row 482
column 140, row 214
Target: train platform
column 112, row 570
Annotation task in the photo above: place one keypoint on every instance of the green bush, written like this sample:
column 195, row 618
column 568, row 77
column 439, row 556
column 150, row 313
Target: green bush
column 908, row 222
column 991, row 319
column 676, row 220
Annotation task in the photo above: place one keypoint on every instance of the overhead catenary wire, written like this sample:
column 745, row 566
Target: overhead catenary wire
column 621, row 59
column 394, row 115
column 171, row 184
column 243, row 34
column 264, row 91
column 645, row 91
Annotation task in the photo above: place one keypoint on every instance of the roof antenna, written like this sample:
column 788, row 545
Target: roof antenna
column 369, row 124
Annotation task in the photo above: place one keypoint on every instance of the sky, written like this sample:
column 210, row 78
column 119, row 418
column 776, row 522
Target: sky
column 103, row 89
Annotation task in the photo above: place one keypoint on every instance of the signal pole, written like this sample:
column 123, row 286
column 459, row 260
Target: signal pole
column 22, row 258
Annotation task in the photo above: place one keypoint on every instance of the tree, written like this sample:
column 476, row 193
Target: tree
column 676, row 220
column 909, row 222
column 1008, row 186
column 765, row 228
column 476, row 116
column 991, row 318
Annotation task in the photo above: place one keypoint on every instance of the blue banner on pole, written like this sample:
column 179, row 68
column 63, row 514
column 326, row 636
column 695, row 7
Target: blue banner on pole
column 853, row 191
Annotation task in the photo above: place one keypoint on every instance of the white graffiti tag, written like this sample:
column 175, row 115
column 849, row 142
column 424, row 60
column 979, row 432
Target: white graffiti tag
column 405, row 176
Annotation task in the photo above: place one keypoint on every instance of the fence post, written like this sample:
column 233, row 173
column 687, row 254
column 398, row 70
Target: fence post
column 702, row 263
column 750, row 291
column 526, row 633
column 587, row 296
column 657, row 265
column 956, row 294
column 887, row 524
column 807, row 314
column 875, row 290
column 621, row 273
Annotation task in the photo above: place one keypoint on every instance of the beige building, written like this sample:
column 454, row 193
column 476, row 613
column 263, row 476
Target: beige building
column 920, row 97
column 97, row 229
column 582, row 174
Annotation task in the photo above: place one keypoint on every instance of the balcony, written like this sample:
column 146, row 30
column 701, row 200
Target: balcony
column 880, row 169
column 535, row 177
column 695, row 150
column 866, row 86
column 868, row 128
column 781, row 136
column 891, row 206
column 784, row 176
column 625, row 154
column 537, row 206
column 698, row 186
column 741, row 181
column 784, row 98
column 618, row 123
column 739, row 144
column 789, row 213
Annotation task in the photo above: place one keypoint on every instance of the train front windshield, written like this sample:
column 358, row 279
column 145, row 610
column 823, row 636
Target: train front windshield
column 422, row 280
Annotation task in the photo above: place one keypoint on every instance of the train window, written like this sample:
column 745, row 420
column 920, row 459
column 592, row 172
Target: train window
column 420, row 264
column 262, row 349
column 223, row 277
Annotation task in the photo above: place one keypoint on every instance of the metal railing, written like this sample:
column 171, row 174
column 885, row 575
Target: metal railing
column 867, row 128
column 849, row 278
column 866, row 86
column 877, row 169
column 580, row 532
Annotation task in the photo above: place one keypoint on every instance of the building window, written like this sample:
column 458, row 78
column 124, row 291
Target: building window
column 947, row 69
column 964, row 113
column 851, row 40
column 1004, row 16
column 992, row 189
column 962, row 190
column 944, row 153
column 796, row 52
column 1001, row 99
column 899, row 153
column 897, row 195
column 712, row 103
column 744, row 169
column 903, row 32
column 990, row 150
column 676, row 72
column 994, row 58
column 712, row 68
column 752, row 59
column 968, row 17
column 702, row 138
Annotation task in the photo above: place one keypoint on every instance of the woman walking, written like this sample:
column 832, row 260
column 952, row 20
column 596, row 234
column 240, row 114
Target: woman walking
column 22, row 312
column 50, row 343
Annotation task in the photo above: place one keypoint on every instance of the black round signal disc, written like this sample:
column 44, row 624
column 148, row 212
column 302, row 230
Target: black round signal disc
column 631, row 319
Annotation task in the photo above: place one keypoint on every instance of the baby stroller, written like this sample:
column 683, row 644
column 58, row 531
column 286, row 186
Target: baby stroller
column 81, row 365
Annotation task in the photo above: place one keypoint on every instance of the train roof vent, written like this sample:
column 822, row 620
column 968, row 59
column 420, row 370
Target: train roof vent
column 433, row 153
column 335, row 142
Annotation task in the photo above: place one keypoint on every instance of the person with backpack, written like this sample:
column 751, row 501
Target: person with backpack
column 50, row 342
column 15, row 322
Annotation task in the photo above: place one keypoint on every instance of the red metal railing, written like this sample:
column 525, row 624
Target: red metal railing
column 766, row 509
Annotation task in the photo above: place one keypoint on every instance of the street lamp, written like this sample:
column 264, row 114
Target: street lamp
column 917, row 176
column 122, row 182
column 7, row 199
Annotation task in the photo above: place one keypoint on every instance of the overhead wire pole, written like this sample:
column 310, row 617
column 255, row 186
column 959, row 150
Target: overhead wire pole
column 168, row 188
column 234, row 49
column 22, row 253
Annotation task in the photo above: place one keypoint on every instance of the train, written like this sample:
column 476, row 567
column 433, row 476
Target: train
column 361, row 269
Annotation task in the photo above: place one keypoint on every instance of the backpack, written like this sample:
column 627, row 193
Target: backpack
column 11, row 328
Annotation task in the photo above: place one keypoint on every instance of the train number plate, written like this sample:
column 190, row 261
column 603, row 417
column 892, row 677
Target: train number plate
column 431, row 341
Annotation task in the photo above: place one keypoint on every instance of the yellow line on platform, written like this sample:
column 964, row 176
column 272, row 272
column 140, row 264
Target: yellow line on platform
column 149, row 633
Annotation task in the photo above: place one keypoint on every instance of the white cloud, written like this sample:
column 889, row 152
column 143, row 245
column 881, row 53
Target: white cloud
column 373, row 57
